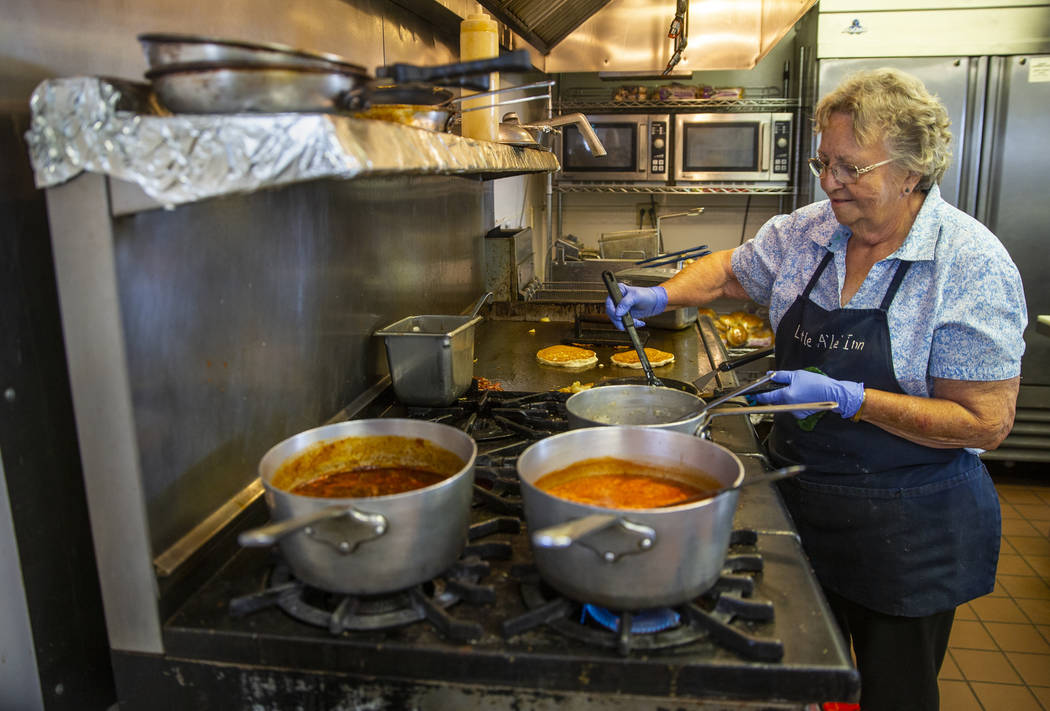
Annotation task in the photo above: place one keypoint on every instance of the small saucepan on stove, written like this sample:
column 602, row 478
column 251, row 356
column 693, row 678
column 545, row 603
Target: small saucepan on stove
column 368, row 540
column 620, row 556
column 664, row 407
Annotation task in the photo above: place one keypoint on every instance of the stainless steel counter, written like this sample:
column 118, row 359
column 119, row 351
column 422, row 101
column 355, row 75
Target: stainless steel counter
column 505, row 351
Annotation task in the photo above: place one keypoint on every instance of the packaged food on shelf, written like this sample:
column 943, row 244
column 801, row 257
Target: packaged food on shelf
column 710, row 92
column 631, row 93
column 676, row 92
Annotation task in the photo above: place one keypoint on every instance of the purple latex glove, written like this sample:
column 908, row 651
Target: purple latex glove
column 806, row 386
column 642, row 301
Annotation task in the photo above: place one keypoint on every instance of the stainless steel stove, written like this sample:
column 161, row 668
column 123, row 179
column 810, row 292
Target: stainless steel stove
column 489, row 634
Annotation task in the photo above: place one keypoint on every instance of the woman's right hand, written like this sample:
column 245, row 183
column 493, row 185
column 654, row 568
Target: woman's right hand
column 641, row 301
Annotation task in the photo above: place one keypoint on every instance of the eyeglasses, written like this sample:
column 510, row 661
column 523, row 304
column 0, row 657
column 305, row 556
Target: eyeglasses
column 845, row 173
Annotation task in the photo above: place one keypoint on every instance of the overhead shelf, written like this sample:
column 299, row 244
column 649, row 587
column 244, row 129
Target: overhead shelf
column 113, row 128
column 660, row 189
column 726, row 105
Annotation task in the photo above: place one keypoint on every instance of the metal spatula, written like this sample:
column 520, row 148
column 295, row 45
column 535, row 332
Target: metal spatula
column 628, row 324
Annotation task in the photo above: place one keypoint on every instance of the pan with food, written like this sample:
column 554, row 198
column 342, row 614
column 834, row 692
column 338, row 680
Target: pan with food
column 368, row 506
column 664, row 407
column 629, row 529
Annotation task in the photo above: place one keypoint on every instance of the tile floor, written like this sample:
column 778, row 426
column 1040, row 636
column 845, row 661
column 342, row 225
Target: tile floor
column 999, row 652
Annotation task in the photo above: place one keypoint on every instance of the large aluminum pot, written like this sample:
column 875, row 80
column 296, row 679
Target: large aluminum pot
column 372, row 545
column 629, row 559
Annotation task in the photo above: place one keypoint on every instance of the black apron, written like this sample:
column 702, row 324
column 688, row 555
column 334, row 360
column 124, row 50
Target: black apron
column 892, row 525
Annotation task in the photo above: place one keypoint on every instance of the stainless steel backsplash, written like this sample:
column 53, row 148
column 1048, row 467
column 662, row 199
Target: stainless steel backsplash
column 248, row 319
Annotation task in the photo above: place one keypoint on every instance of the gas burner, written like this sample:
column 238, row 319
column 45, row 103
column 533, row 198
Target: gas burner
column 343, row 613
column 488, row 415
column 723, row 615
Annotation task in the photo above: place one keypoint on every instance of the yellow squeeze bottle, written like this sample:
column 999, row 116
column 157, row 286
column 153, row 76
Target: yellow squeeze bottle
column 479, row 39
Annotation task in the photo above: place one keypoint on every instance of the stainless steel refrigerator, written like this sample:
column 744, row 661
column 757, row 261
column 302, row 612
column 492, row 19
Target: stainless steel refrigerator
column 1000, row 174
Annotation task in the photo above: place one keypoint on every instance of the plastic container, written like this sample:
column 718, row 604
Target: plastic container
column 431, row 358
column 479, row 39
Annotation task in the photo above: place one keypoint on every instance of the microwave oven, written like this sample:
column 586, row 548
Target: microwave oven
column 746, row 147
column 636, row 149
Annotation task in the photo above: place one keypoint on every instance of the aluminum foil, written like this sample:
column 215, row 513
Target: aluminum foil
column 115, row 128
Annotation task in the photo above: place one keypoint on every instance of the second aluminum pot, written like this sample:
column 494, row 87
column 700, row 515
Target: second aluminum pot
column 371, row 545
column 629, row 559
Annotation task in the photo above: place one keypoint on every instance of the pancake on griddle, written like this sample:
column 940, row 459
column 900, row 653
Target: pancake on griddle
column 629, row 359
column 567, row 356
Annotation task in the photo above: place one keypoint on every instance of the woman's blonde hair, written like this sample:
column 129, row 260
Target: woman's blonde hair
column 890, row 105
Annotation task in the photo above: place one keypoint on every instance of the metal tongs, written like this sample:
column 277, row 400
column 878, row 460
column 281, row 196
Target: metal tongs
column 679, row 32
column 661, row 260
column 506, row 90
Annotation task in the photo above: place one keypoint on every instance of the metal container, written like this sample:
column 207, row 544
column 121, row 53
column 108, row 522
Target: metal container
column 509, row 265
column 629, row 559
column 365, row 546
column 629, row 244
column 431, row 358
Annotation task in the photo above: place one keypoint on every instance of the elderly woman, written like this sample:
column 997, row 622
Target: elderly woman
column 909, row 314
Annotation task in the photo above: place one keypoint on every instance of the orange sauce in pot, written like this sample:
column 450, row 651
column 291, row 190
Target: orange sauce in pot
column 621, row 484
column 358, row 467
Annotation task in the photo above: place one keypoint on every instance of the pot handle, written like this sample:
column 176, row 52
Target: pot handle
column 609, row 536
column 468, row 75
column 342, row 527
column 705, row 421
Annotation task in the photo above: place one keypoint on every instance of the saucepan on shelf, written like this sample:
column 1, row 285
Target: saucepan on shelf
column 196, row 74
column 200, row 74
column 164, row 50
column 415, row 96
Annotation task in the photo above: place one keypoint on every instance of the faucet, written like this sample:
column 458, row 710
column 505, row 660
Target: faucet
column 589, row 136
column 661, row 218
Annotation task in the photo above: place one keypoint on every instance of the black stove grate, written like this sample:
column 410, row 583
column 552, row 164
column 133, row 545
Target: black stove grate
column 428, row 601
column 724, row 614
column 490, row 415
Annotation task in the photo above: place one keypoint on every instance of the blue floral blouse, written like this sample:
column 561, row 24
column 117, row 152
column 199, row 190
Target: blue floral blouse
column 959, row 314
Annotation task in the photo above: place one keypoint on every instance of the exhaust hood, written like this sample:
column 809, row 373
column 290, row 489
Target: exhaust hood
column 632, row 35
column 543, row 23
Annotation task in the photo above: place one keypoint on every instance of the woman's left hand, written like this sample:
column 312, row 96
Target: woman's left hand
column 807, row 386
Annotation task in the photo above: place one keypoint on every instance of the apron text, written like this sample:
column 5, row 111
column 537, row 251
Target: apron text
column 828, row 341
